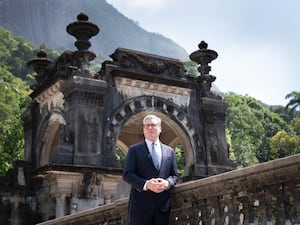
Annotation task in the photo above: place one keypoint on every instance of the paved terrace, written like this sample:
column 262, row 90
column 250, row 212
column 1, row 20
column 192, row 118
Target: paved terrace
column 267, row 193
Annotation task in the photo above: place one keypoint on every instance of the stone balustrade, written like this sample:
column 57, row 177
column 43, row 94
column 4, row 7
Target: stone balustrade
column 267, row 193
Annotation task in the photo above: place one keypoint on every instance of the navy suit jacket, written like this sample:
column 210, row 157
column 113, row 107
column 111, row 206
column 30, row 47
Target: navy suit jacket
column 139, row 168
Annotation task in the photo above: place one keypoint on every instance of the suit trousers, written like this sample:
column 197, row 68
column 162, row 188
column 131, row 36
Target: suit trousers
column 149, row 218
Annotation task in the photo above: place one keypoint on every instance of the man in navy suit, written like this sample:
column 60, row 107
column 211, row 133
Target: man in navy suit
column 151, row 170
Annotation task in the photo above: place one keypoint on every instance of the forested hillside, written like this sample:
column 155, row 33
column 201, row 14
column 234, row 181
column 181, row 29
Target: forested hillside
column 45, row 22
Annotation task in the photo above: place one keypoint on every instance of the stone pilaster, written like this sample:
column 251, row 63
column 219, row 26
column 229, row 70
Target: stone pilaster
column 84, row 99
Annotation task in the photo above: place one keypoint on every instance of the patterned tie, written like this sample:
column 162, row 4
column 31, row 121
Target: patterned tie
column 154, row 156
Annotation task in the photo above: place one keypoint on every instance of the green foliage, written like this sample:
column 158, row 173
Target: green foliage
column 229, row 141
column 295, row 126
column 13, row 101
column 191, row 68
column 15, row 53
column 180, row 159
column 294, row 102
column 120, row 157
column 284, row 144
column 14, row 96
column 251, row 125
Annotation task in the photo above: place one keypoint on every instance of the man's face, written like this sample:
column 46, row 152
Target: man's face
column 151, row 129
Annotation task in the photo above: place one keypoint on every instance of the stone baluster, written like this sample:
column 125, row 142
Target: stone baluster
column 212, row 215
column 221, row 208
column 256, row 211
column 212, row 211
column 297, row 204
column 220, row 214
column 287, row 207
column 280, row 205
column 252, row 212
column 200, row 217
column 200, row 212
column 269, row 207
column 226, row 213
column 206, row 214
column 234, row 211
column 263, row 204
column 240, row 214
column 193, row 212
column 240, row 204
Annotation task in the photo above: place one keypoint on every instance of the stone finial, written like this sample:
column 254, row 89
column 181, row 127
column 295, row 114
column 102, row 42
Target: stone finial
column 39, row 66
column 82, row 30
column 203, row 56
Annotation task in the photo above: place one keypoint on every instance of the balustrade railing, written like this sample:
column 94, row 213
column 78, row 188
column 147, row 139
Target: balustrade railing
column 267, row 193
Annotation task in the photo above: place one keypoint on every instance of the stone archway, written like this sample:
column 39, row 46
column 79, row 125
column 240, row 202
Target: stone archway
column 126, row 125
column 77, row 117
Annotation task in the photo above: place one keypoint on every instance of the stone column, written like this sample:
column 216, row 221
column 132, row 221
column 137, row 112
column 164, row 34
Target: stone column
column 60, row 205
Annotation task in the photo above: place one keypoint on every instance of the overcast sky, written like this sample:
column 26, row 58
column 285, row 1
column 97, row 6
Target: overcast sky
column 258, row 41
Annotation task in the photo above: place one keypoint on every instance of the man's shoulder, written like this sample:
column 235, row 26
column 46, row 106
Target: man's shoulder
column 138, row 145
column 166, row 146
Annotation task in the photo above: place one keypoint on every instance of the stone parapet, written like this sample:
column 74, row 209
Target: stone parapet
column 267, row 193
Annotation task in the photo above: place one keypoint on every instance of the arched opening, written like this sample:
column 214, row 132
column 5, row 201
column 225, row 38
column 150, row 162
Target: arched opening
column 51, row 138
column 172, row 135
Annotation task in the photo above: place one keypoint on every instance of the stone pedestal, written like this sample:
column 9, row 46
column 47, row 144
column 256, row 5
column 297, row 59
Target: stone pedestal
column 217, row 149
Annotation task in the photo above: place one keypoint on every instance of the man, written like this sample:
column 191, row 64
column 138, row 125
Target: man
column 151, row 175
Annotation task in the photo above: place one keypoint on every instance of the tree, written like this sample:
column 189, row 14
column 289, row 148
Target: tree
column 284, row 144
column 251, row 125
column 13, row 101
column 294, row 101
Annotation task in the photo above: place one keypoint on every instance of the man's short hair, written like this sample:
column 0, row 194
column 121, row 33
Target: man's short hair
column 151, row 116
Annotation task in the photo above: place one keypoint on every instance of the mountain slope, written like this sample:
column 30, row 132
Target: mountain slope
column 45, row 22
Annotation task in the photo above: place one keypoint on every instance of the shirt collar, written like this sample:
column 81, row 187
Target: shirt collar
column 150, row 142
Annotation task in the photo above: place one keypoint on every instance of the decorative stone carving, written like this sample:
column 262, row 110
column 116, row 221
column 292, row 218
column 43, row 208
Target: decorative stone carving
column 148, row 63
column 39, row 65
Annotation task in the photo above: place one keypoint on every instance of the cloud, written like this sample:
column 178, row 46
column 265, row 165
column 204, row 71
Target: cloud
column 257, row 70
